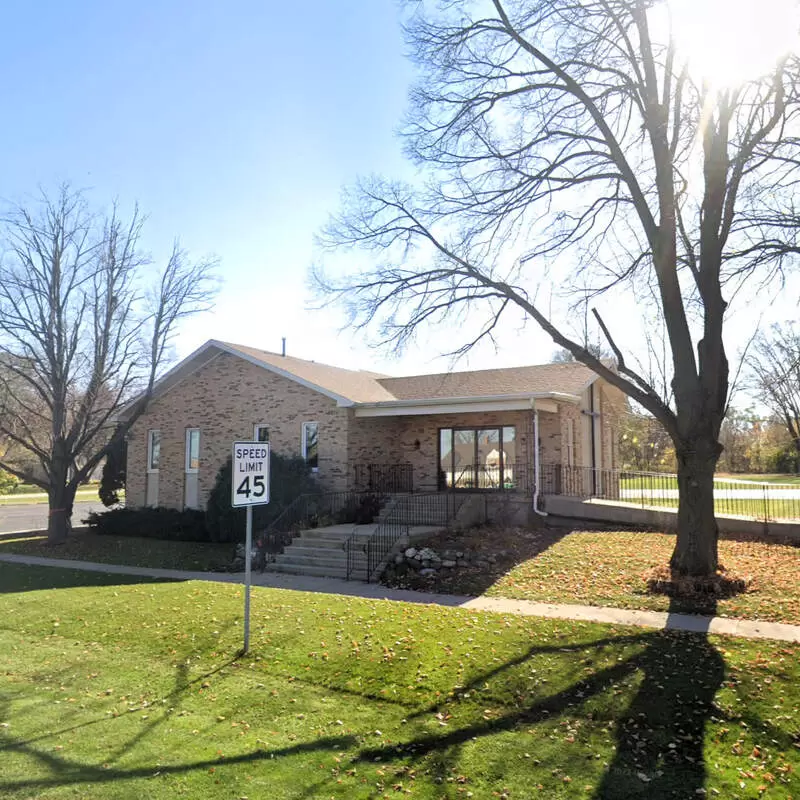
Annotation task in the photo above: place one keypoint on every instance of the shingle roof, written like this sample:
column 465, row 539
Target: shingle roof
column 356, row 385
column 567, row 378
column 370, row 387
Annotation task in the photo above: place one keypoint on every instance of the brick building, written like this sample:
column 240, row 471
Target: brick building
column 459, row 430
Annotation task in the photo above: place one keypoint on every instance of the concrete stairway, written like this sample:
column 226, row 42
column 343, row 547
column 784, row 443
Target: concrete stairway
column 321, row 552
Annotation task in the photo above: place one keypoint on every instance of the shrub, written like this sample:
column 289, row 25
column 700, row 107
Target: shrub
column 151, row 523
column 113, row 477
column 289, row 478
column 8, row 482
column 360, row 510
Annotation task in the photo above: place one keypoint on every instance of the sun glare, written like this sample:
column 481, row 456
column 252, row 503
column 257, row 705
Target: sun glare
column 727, row 42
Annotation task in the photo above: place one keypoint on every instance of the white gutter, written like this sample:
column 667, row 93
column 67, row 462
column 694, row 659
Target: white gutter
column 441, row 405
column 537, row 475
column 433, row 401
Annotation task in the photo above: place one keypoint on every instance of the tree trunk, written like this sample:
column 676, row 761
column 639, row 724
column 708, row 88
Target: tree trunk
column 61, row 499
column 696, row 547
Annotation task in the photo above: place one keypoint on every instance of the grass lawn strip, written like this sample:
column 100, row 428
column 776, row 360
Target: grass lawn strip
column 125, row 550
column 552, row 565
column 606, row 569
column 81, row 496
column 123, row 691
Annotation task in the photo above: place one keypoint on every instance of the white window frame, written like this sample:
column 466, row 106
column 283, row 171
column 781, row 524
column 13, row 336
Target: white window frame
column 304, row 443
column 150, row 433
column 256, row 428
column 187, row 463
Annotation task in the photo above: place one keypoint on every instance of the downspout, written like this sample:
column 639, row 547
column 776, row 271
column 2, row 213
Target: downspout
column 594, row 446
column 537, row 475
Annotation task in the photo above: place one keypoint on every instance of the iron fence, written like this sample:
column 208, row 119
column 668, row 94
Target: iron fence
column 404, row 511
column 384, row 478
column 492, row 477
column 313, row 511
column 759, row 500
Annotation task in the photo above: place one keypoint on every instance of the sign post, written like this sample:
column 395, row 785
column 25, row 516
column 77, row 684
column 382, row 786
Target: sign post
column 249, row 487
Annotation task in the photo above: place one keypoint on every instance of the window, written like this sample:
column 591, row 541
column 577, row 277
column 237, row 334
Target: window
column 477, row 458
column 310, row 442
column 570, row 443
column 260, row 433
column 153, row 450
column 192, row 449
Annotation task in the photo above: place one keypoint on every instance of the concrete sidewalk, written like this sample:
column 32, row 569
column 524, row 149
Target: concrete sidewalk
column 749, row 629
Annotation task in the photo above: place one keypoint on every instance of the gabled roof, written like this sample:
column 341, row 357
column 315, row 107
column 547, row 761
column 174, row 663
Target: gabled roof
column 361, row 388
column 357, row 386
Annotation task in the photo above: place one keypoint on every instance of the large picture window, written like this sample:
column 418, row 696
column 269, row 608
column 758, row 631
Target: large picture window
column 478, row 458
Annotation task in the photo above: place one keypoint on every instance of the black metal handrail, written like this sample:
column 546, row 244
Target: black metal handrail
column 312, row 511
column 490, row 477
column 432, row 508
column 384, row 478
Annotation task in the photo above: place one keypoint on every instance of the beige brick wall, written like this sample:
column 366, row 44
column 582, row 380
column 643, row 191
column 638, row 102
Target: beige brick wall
column 224, row 399
column 227, row 396
column 551, row 437
column 373, row 440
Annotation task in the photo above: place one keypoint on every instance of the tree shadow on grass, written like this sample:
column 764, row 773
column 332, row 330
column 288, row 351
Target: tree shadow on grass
column 495, row 552
column 17, row 578
column 659, row 751
column 660, row 738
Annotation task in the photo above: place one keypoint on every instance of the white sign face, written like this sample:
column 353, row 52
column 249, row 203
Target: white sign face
column 250, row 486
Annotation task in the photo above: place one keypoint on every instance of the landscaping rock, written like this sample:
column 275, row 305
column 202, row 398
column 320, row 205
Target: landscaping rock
column 411, row 552
column 448, row 563
column 427, row 572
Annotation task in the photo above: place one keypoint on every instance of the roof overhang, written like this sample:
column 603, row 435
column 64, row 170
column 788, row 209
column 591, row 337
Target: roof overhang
column 544, row 401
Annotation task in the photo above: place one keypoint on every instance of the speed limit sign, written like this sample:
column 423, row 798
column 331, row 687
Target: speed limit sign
column 250, row 486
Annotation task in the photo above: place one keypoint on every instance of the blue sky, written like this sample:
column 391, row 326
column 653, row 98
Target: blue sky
column 234, row 126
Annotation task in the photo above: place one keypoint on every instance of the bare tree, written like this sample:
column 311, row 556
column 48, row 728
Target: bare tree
column 774, row 365
column 81, row 333
column 568, row 144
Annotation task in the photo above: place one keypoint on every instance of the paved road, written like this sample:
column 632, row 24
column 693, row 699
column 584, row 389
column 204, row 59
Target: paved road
column 33, row 516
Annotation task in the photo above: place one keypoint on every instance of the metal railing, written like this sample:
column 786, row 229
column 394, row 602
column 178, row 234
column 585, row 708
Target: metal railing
column 384, row 478
column 404, row 511
column 479, row 477
column 313, row 511
column 758, row 500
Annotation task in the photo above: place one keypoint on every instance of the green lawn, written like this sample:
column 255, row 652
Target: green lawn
column 607, row 569
column 751, row 508
column 127, row 550
column 759, row 478
column 135, row 691
column 85, row 495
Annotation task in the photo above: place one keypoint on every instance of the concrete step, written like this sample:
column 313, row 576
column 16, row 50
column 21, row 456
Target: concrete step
column 319, row 572
column 314, row 543
column 314, row 561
